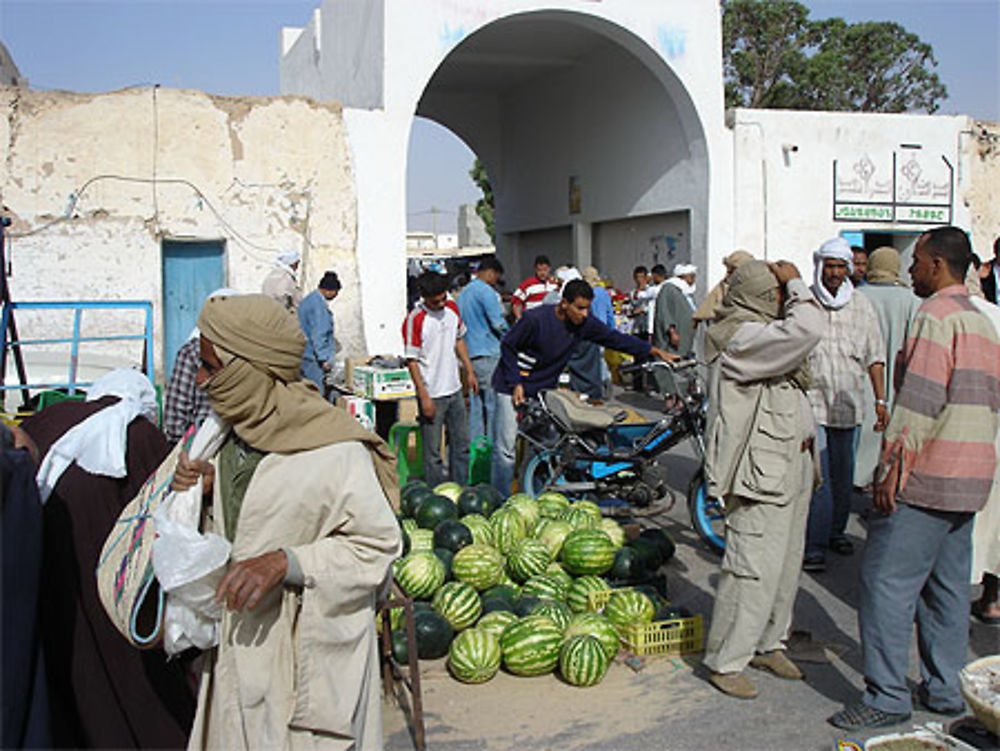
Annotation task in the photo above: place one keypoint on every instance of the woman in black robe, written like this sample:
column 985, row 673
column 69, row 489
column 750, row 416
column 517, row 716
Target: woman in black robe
column 104, row 692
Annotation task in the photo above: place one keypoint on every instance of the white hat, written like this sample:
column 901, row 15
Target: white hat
column 683, row 269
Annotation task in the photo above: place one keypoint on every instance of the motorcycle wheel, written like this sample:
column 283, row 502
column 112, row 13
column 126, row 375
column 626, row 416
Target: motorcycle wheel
column 707, row 514
column 541, row 473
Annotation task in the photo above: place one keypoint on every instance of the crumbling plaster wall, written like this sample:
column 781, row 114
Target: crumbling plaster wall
column 982, row 149
column 93, row 183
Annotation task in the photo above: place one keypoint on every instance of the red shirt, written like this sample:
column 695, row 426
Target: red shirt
column 532, row 291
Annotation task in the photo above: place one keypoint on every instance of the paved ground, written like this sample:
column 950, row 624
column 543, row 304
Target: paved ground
column 667, row 705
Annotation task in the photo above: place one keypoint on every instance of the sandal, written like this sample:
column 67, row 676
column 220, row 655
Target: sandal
column 860, row 716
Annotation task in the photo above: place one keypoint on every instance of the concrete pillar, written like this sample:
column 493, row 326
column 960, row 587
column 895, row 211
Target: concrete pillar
column 582, row 245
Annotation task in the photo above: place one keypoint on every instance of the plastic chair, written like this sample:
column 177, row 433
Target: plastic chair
column 409, row 455
column 52, row 396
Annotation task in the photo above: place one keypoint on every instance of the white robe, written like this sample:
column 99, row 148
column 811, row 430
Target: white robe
column 301, row 669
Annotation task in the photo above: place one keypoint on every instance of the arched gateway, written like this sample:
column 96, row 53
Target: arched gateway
column 600, row 123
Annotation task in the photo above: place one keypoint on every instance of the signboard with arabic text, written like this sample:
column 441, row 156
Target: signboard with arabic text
column 907, row 187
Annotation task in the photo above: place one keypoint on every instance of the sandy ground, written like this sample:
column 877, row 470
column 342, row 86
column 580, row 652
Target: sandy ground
column 667, row 704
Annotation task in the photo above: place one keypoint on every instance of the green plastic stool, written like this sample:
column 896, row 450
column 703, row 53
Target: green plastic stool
column 399, row 444
column 53, row 396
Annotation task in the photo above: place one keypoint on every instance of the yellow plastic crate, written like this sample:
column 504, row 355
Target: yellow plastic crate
column 597, row 599
column 678, row 636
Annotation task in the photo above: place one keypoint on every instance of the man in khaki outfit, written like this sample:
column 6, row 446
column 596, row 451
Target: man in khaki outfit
column 759, row 458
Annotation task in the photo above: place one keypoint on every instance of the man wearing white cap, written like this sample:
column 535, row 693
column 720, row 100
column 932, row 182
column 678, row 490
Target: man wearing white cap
column 673, row 322
column 281, row 283
column 850, row 347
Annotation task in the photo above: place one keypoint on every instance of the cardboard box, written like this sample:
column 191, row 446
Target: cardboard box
column 361, row 409
column 382, row 383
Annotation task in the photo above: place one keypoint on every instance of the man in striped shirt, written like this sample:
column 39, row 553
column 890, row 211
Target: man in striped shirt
column 532, row 291
column 937, row 468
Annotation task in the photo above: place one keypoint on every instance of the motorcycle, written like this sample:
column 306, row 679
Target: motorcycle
column 588, row 451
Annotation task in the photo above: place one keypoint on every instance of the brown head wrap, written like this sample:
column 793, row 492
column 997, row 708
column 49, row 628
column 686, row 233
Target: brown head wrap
column 883, row 267
column 259, row 390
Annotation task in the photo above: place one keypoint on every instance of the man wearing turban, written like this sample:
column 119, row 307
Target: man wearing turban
column 850, row 352
column 759, row 460
column 282, row 283
column 303, row 493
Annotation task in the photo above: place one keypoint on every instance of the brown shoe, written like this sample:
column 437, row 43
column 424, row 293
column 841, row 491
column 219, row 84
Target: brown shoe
column 779, row 664
column 736, row 685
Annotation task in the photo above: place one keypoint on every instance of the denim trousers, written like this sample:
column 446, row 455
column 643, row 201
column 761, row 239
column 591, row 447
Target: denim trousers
column 450, row 415
column 504, row 447
column 916, row 564
column 831, row 503
column 482, row 406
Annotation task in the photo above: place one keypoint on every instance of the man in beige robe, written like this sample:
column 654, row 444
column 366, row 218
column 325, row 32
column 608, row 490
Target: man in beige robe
column 303, row 493
column 759, row 459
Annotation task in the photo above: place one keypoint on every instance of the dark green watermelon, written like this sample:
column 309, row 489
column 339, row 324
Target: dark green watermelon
column 525, row 605
column 452, row 535
column 497, row 603
column 649, row 553
column 471, row 501
column 491, row 494
column 419, row 605
column 628, row 566
column 502, row 590
column 433, row 510
column 445, row 556
column 434, row 635
column 411, row 495
column 400, row 648
column 663, row 542
column 668, row 613
column 406, row 540
column 654, row 597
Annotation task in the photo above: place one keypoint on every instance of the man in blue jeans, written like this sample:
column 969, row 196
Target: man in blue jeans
column 434, row 338
column 533, row 354
column 482, row 313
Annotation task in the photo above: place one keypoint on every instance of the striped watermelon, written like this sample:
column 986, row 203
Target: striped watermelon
column 553, row 497
column 587, row 551
column 553, row 533
column 590, row 507
column 614, row 531
column 526, row 506
column 408, row 525
column 580, row 589
column 555, row 569
column 531, row 646
column 579, row 518
column 474, row 656
column 558, row 612
column 506, row 581
column 479, row 566
column 421, row 540
column 508, row 528
column 458, row 603
column 626, row 607
column 545, row 586
column 450, row 490
column 496, row 621
column 527, row 558
column 583, row 661
column 596, row 625
column 482, row 530
column 420, row 574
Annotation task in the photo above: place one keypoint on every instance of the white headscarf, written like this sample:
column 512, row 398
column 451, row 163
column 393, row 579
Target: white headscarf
column 682, row 269
column 838, row 249
column 220, row 292
column 286, row 258
column 98, row 443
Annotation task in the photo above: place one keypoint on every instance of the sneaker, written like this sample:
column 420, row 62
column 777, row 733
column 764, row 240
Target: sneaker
column 736, row 685
column 841, row 546
column 778, row 663
column 860, row 716
column 814, row 562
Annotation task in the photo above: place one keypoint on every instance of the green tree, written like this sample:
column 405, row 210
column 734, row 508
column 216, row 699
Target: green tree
column 774, row 56
column 484, row 206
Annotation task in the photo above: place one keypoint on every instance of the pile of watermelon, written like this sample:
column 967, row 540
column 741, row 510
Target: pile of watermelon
column 507, row 582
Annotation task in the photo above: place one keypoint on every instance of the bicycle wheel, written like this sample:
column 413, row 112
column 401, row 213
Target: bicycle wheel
column 542, row 473
column 707, row 514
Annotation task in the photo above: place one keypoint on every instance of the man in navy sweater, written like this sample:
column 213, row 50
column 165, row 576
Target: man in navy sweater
column 533, row 354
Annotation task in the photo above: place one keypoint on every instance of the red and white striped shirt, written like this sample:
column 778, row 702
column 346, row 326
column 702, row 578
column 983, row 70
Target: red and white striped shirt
column 429, row 337
column 532, row 291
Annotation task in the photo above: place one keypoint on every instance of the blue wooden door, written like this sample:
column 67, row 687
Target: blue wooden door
column 191, row 272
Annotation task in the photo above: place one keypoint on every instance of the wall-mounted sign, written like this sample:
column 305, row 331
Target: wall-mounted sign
column 907, row 187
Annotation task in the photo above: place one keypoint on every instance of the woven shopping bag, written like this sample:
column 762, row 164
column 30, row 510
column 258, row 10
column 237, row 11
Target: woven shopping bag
column 126, row 584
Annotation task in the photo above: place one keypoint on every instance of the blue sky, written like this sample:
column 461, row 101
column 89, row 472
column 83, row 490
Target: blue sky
column 231, row 47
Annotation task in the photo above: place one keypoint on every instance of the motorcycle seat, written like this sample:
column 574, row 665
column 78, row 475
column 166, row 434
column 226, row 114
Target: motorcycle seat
column 578, row 416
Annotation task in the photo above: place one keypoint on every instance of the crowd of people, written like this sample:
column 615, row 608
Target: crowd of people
column 857, row 382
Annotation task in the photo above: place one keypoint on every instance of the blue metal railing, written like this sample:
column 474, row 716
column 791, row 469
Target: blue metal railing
column 75, row 340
